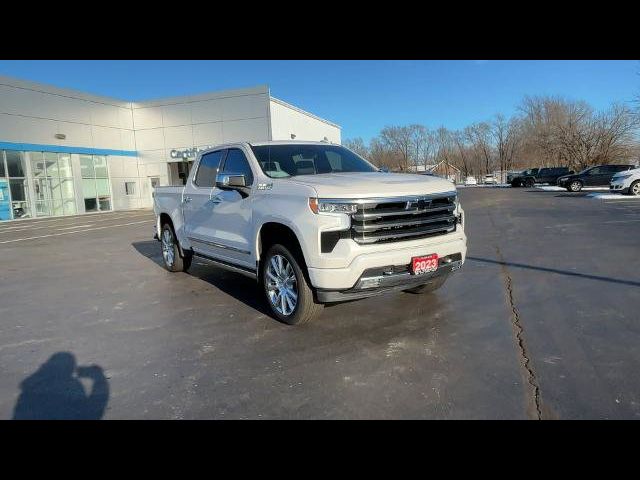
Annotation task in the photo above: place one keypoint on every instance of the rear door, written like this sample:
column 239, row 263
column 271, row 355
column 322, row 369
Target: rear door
column 197, row 204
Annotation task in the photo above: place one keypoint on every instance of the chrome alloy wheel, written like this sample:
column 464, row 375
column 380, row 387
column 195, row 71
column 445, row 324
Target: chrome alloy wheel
column 282, row 286
column 168, row 252
column 635, row 189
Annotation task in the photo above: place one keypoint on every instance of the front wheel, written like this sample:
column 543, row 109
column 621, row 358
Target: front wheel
column 575, row 186
column 286, row 289
column 634, row 189
column 529, row 183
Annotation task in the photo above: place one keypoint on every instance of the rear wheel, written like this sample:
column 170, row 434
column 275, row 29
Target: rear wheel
column 286, row 289
column 634, row 189
column 529, row 183
column 515, row 183
column 173, row 261
column 429, row 287
column 575, row 186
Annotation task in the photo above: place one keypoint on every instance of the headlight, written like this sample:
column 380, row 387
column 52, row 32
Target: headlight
column 318, row 205
column 620, row 177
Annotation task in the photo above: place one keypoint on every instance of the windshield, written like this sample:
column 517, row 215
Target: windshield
column 293, row 160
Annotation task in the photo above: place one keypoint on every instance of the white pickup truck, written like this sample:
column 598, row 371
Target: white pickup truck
column 313, row 223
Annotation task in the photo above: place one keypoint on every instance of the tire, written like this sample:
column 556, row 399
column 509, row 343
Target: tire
column 428, row 287
column 515, row 183
column 529, row 183
column 171, row 257
column 281, row 272
column 634, row 189
column 575, row 186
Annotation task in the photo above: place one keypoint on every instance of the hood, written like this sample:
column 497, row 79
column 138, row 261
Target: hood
column 373, row 184
column 633, row 171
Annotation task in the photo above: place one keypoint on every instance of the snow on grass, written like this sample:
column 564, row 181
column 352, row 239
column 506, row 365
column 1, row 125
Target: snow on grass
column 613, row 196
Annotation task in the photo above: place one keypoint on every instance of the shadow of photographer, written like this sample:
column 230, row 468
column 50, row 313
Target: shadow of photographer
column 55, row 392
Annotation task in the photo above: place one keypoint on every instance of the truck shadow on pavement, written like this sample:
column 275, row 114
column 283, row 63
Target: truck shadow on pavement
column 233, row 284
column 559, row 272
column 54, row 391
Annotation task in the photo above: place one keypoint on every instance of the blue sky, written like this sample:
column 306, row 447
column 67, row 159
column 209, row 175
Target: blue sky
column 361, row 96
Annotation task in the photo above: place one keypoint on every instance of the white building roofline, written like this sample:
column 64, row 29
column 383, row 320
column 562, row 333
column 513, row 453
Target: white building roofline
column 304, row 112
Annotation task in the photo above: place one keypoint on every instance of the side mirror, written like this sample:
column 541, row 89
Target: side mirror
column 230, row 181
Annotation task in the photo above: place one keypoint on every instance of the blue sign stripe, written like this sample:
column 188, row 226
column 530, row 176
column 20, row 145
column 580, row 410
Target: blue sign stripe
column 64, row 149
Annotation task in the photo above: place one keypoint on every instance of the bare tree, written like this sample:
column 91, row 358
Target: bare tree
column 507, row 136
column 400, row 141
column 358, row 146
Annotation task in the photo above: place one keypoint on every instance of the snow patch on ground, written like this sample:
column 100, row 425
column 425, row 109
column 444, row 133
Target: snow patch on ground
column 613, row 196
column 499, row 185
column 555, row 188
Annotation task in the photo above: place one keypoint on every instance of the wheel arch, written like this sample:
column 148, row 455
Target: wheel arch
column 276, row 231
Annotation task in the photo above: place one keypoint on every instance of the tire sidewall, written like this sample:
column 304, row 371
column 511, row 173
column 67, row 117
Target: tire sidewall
column 178, row 263
column 295, row 317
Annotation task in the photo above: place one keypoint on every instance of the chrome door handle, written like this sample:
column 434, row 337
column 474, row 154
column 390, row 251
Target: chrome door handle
column 186, row 199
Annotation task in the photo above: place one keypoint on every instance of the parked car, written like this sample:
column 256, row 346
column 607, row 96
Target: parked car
column 539, row 175
column 313, row 223
column 598, row 176
column 490, row 179
column 626, row 182
column 470, row 181
column 516, row 180
column 513, row 174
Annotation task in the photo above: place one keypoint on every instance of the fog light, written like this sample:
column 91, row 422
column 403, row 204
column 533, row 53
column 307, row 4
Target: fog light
column 370, row 282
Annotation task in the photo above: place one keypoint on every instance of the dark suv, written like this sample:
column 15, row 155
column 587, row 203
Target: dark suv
column 530, row 177
column 598, row 176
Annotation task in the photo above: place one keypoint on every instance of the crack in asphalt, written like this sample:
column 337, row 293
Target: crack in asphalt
column 519, row 331
column 517, row 325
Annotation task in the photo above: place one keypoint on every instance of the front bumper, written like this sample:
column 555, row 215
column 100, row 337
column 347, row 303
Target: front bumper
column 618, row 187
column 364, row 258
column 377, row 281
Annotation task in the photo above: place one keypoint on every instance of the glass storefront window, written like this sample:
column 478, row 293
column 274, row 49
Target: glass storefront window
column 19, row 198
column 100, row 164
column 64, row 165
column 42, row 184
column 15, row 164
column 86, row 166
column 96, row 188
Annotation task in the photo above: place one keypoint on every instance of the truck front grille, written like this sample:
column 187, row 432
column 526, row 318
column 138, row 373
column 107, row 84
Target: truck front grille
column 394, row 220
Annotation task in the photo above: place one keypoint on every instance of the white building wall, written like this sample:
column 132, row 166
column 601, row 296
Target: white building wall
column 182, row 123
column 35, row 113
column 32, row 113
column 287, row 120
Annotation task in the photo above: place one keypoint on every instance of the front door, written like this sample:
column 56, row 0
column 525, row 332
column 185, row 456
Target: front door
column 197, row 204
column 232, row 214
column 596, row 177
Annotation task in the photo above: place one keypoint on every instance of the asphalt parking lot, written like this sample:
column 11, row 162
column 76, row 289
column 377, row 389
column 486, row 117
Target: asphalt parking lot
column 542, row 322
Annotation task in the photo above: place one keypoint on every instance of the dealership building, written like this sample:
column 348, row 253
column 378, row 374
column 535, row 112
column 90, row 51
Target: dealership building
column 65, row 152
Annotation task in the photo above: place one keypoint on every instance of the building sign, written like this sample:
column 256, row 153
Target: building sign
column 188, row 153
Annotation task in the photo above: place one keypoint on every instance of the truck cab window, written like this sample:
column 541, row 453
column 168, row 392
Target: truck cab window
column 208, row 169
column 236, row 162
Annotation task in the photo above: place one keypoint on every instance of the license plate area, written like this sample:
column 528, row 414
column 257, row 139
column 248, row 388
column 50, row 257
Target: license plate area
column 424, row 264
